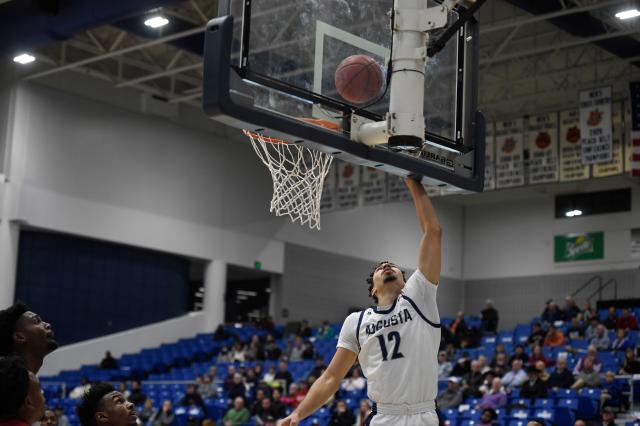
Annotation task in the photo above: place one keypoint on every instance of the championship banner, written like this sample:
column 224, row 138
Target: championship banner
column 328, row 200
column 542, row 142
column 635, row 128
column 397, row 189
column 571, row 167
column 569, row 248
column 373, row 186
column 595, row 126
column 348, row 185
column 490, row 158
column 509, row 154
column 616, row 165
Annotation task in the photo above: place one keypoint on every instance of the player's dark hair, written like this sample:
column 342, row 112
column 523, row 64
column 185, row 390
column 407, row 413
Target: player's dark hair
column 8, row 320
column 14, row 386
column 91, row 401
column 370, row 279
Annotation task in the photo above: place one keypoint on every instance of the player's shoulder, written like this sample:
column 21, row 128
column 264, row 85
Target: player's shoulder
column 353, row 317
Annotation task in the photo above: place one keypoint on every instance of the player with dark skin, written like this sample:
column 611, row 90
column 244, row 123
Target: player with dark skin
column 25, row 334
column 21, row 399
column 102, row 405
column 386, row 283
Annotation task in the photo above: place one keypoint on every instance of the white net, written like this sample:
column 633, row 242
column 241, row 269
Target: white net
column 298, row 175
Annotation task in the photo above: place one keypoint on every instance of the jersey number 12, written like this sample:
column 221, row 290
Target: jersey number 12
column 393, row 337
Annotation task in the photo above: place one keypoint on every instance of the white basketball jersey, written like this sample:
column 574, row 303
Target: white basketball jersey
column 397, row 345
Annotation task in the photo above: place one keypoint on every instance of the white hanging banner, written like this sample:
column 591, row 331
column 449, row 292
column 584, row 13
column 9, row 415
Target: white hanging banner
column 509, row 154
column 328, row 200
column 595, row 126
column 348, row 185
column 616, row 165
column 571, row 167
column 373, row 186
column 490, row 158
column 542, row 143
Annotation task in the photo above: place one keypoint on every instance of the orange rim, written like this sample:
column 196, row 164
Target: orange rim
column 315, row 121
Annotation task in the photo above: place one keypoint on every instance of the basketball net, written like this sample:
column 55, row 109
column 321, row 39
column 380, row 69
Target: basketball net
column 298, row 175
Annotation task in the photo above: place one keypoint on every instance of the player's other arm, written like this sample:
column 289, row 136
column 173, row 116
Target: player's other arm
column 323, row 388
column 430, row 246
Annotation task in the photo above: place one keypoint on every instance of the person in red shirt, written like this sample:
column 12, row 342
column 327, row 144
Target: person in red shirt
column 103, row 405
column 554, row 337
column 21, row 399
column 627, row 321
column 537, row 355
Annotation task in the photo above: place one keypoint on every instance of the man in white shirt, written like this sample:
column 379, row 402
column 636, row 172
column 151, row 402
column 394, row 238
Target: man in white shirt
column 516, row 376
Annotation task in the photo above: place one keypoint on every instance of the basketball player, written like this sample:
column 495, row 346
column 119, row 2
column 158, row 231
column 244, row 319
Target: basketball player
column 103, row 405
column 25, row 334
column 21, row 398
column 395, row 341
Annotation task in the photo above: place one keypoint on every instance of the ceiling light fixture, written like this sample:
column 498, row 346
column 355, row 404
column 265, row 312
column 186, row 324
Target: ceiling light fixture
column 573, row 213
column 628, row 14
column 24, row 58
column 156, row 21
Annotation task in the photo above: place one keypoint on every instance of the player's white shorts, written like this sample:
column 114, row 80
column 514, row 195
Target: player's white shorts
column 415, row 416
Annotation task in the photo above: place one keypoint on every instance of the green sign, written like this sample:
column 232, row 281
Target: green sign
column 569, row 248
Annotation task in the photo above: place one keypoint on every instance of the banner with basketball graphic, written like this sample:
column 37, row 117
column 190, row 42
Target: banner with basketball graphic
column 542, row 143
column 348, row 185
column 595, row 126
column 490, row 158
column 373, row 186
column 571, row 167
column 509, row 154
column 397, row 189
column 328, row 200
column 634, row 88
column 616, row 165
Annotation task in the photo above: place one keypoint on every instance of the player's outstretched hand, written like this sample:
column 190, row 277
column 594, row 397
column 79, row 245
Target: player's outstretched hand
column 292, row 420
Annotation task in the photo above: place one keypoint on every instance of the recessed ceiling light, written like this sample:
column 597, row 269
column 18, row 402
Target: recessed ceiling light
column 628, row 14
column 156, row 21
column 573, row 213
column 24, row 59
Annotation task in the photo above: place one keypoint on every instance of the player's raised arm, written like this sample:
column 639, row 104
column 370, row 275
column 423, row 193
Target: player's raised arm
column 429, row 260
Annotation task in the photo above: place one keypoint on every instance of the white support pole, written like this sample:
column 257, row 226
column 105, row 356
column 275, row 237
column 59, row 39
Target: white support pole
column 8, row 261
column 215, row 286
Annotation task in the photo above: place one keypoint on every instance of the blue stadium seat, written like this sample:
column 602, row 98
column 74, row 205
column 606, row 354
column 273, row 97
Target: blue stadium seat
column 546, row 403
column 520, row 413
column 517, row 423
column 545, row 413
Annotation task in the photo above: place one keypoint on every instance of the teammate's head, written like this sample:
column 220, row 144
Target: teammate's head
column 102, row 405
column 385, row 277
column 24, row 333
column 20, row 393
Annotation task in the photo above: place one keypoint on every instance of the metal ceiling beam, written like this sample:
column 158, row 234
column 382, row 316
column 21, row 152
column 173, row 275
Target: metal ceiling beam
column 159, row 75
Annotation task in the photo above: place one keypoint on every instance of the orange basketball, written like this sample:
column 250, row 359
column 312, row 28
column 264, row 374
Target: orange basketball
column 359, row 79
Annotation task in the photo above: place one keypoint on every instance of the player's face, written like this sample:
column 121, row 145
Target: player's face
column 116, row 411
column 387, row 276
column 34, row 333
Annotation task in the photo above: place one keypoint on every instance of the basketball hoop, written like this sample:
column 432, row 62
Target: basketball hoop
column 298, row 175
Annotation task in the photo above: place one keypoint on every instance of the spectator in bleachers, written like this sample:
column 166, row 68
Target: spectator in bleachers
column 627, row 321
column 484, row 368
column 220, row 334
column 515, row 377
column 576, row 330
column 238, row 388
column 490, row 318
column 239, row 353
column 103, row 405
column 554, row 336
column 257, row 402
column 305, row 331
column 342, row 416
column 318, row 368
column 270, row 376
column 21, row 399
column 206, row 387
column 601, row 339
column 561, row 378
column 459, row 329
column 278, row 406
column 356, row 382
column 271, row 350
column 228, row 381
column 588, row 312
column 290, row 399
column 192, row 398
column 49, row 418
column 501, row 365
column 542, row 371
column 225, row 355
column 579, row 422
column 147, row 412
column 363, row 412
column 570, row 310
column 294, row 352
column 611, row 320
column 264, row 411
column 444, row 366
column 495, row 397
column 452, row 396
column 473, row 380
column 533, row 387
column 326, row 331
column 136, row 395
column 255, row 351
column 462, row 366
column 630, row 365
column 108, row 362
column 621, row 342
column 587, row 376
column 78, row 391
column 63, row 420
column 25, row 334
column 611, row 395
column 519, row 353
column 592, row 353
column 608, row 417
column 236, row 415
column 283, row 374
column 551, row 313
column 487, row 418
column 537, row 355
column 590, row 332
column 537, row 335
column 124, row 390
column 267, row 324
column 308, row 353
